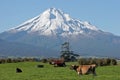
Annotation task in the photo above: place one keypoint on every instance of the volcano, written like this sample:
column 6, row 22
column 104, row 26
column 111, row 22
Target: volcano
column 53, row 27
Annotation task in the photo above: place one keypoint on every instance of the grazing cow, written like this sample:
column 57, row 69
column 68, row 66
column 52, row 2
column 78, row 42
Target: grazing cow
column 84, row 69
column 18, row 70
column 58, row 63
column 40, row 66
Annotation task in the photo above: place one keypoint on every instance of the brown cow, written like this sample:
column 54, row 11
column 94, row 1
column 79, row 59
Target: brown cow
column 84, row 69
column 58, row 63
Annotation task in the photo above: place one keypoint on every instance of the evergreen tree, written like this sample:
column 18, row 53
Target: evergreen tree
column 66, row 54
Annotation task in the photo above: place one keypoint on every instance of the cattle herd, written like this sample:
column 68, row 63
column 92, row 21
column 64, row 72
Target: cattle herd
column 81, row 69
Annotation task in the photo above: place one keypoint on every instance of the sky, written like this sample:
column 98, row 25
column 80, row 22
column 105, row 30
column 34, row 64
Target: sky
column 104, row 14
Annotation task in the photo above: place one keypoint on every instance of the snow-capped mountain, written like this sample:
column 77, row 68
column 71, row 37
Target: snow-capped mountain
column 54, row 22
column 54, row 27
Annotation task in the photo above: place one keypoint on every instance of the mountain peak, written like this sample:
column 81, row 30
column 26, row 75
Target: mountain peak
column 52, row 13
column 54, row 22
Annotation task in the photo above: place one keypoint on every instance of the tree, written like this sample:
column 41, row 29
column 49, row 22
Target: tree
column 66, row 54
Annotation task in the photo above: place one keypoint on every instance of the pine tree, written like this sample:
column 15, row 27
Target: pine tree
column 66, row 53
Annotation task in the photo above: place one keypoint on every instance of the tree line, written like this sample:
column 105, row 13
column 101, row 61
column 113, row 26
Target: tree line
column 15, row 60
column 81, row 61
column 97, row 61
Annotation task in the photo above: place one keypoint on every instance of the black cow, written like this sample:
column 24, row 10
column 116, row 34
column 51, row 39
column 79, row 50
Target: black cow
column 18, row 70
column 40, row 66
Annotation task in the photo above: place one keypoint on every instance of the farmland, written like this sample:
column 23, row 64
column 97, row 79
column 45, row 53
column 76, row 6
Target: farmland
column 31, row 72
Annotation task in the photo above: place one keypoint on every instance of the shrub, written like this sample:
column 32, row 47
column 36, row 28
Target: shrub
column 113, row 62
column 44, row 60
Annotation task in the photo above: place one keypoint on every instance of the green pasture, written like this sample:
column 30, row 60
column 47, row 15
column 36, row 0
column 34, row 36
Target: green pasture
column 31, row 72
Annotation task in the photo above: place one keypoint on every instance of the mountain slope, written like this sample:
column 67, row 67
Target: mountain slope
column 18, row 49
column 53, row 27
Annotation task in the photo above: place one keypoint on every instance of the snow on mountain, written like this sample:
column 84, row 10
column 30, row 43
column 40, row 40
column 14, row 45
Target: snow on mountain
column 53, row 27
column 54, row 22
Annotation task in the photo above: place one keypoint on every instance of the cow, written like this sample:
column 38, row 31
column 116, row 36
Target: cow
column 84, row 69
column 57, row 63
column 40, row 66
column 18, row 70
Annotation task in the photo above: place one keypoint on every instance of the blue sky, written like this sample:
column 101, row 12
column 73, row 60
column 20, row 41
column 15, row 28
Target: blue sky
column 105, row 14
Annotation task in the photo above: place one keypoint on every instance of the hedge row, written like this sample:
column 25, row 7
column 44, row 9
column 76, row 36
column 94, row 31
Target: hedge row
column 97, row 61
column 15, row 60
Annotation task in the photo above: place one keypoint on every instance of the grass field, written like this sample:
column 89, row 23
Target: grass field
column 31, row 72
